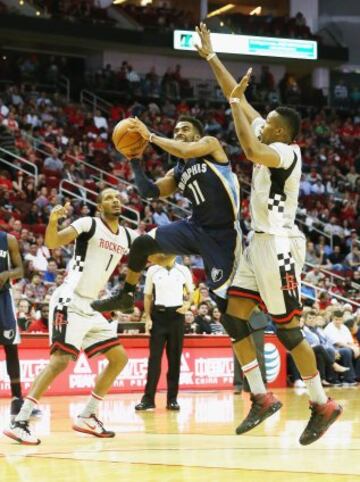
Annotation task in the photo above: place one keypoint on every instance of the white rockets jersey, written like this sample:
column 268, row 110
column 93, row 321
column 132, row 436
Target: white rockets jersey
column 97, row 253
column 275, row 190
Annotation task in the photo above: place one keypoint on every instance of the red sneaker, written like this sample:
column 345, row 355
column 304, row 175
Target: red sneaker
column 322, row 416
column 263, row 406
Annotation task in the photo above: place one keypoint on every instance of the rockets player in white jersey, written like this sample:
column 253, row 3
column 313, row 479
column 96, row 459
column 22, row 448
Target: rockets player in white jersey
column 100, row 243
column 270, row 269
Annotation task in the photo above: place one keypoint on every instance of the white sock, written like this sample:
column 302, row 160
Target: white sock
column 25, row 412
column 253, row 375
column 92, row 405
column 316, row 391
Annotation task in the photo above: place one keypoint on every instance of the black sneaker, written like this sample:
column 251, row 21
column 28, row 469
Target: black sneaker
column 15, row 407
column 123, row 302
column 144, row 405
column 263, row 406
column 322, row 416
column 173, row 405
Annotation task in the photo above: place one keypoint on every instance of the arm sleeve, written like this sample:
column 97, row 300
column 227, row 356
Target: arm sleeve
column 286, row 153
column 132, row 234
column 82, row 225
column 147, row 188
column 257, row 124
column 148, row 288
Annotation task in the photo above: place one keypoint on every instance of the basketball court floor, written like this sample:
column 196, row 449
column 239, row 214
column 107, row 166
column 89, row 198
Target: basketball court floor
column 195, row 444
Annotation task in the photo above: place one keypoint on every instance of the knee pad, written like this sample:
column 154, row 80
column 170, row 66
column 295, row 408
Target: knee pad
column 290, row 338
column 142, row 247
column 236, row 328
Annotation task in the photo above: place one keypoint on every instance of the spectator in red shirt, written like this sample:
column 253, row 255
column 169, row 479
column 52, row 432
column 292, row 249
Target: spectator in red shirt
column 40, row 325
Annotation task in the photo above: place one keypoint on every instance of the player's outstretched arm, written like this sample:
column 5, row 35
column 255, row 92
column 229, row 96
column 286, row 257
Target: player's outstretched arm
column 254, row 150
column 224, row 78
column 185, row 150
column 53, row 237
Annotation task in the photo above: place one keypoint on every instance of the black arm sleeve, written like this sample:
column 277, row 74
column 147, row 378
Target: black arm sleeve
column 147, row 188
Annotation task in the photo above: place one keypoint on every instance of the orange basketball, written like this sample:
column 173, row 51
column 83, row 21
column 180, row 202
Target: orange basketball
column 129, row 144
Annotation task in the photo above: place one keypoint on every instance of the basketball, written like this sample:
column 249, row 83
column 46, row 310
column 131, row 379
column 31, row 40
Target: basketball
column 129, row 144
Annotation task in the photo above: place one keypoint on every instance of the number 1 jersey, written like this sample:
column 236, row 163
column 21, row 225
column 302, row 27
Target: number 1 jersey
column 97, row 253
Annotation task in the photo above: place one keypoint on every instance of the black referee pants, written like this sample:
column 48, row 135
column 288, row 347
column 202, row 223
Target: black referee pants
column 168, row 329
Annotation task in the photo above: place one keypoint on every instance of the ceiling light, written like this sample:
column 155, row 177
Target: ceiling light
column 256, row 11
column 221, row 10
column 118, row 2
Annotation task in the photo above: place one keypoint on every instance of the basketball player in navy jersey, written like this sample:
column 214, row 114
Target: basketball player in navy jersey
column 11, row 267
column 203, row 175
column 270, row 270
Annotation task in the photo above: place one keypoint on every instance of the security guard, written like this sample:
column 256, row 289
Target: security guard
column 165, row 286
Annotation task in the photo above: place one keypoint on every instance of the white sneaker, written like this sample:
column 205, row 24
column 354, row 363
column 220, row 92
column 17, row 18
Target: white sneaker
column 299, row 384
column 20, row 432
column 92, row 426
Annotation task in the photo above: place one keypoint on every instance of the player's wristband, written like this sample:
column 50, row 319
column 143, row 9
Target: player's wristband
column 210, row 56
column 234, row 100
column 151, row 137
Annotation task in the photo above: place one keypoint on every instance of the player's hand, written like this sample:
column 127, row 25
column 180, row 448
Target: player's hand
column 137, row 126
column 206, row 47
column 59, row 212
column 240, row 88
column 148, row 324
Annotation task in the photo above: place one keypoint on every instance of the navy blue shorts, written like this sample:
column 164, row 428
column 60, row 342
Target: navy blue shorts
column 219, row 249
column 8, row 324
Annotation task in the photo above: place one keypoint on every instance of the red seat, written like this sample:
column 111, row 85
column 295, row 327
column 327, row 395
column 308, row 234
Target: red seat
column 52, row 181
column 38, row 228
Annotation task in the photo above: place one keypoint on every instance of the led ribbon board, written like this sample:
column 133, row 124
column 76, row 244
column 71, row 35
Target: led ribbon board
column 250, row 45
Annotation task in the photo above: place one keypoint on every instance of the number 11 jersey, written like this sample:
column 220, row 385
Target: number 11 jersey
column 213, row 190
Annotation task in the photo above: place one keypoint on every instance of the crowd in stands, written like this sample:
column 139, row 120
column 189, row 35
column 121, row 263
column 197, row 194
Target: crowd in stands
column 84, row 11
column 269, row 26
column 58, row 136
column 165, row 16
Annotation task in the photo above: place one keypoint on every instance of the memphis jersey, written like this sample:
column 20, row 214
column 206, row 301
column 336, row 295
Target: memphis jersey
column 4, row 259
column 97, row 253
column 275, row 190
column 213, row 190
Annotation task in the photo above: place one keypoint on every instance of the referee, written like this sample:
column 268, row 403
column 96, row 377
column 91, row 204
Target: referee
column 164, row 305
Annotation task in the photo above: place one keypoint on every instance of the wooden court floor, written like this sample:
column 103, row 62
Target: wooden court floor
column 195, row 444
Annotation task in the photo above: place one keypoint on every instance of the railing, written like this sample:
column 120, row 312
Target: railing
column 88, row 98
column 64, row 83
column 24, row 162
column 327, row 272
column 333, row 295
column 89, row 193
column 103, row 176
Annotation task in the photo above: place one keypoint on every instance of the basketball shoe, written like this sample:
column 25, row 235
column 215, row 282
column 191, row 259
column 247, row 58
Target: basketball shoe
column 263, row 406
column 322, row 416
column 20, row 432
column 93, row 426
column 123, row 302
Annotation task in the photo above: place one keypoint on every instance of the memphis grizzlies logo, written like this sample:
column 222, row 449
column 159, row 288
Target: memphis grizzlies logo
column 272, row 362
column 216, row 274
